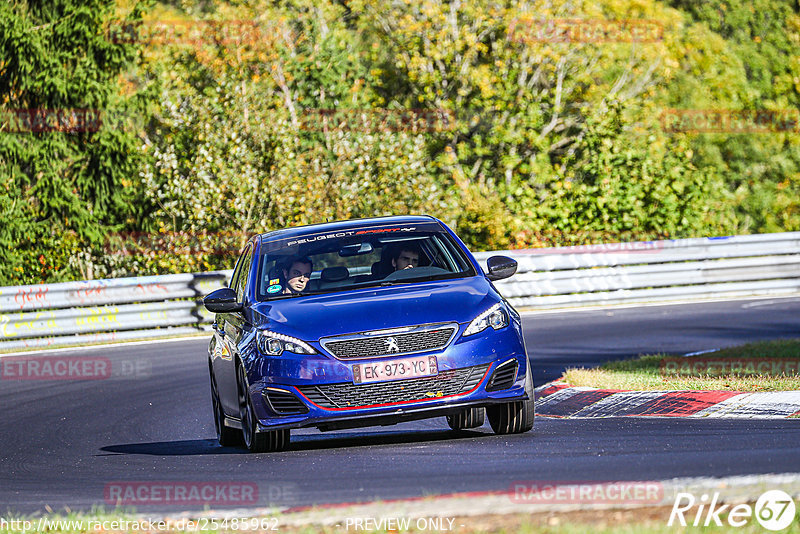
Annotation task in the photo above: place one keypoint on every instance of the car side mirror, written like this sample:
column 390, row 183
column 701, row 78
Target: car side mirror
column 222, row 301
column 500, row 267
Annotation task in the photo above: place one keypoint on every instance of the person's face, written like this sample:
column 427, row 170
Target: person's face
column 297, row 276
column 406, row 260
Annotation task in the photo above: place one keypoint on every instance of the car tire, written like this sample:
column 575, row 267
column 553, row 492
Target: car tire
column 254, row 441
column 514, row 417
column 468, row 418
column 227, row 437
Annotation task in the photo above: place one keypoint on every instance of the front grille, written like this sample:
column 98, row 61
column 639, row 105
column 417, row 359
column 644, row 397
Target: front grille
column 413, row 340
column 349, row 395
column 503, row 376
column 283, row 402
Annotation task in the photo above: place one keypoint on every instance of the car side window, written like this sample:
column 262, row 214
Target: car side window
column 237, row 269
column 243, row 275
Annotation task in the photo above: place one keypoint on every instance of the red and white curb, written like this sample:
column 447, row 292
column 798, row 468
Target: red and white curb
column 557, row 399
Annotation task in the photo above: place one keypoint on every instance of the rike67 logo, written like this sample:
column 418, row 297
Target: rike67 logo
column 774, row 510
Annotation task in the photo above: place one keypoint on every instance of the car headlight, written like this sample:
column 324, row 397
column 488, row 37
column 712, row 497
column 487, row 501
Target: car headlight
column 274, row 344
column 496, row 317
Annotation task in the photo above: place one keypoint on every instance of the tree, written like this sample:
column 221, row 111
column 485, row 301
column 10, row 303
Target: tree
column 525, row 97
column 65, row 174
column 276, row 130
column 761, row 40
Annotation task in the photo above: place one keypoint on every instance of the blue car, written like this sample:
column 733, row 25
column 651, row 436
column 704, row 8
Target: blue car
column 362, row 323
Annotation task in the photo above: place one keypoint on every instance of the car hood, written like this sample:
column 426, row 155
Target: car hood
column 317, row 316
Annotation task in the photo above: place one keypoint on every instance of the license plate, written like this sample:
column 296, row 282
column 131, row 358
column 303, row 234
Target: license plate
column 364, row 373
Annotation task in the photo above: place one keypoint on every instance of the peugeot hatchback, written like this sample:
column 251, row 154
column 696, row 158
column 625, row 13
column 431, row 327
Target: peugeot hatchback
column 361, row 323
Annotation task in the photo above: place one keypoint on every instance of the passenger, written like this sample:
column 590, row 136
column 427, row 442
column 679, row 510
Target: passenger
column 297, row 275
column 405, row 257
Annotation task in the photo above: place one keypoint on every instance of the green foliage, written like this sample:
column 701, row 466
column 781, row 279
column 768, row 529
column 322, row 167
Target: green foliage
column 62, row 189
column 265, row 133
column 761, row 40
column 283, row 113
column 627, row 186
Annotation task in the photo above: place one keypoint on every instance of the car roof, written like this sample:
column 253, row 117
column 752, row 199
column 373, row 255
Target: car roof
column 347, row 225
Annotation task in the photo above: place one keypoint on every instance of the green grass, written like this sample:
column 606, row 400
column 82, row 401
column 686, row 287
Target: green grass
column 645, row 373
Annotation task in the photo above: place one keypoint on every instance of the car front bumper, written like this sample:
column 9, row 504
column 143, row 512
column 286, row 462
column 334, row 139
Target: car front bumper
column 351, row 407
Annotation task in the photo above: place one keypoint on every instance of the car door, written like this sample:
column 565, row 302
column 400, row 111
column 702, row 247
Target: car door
column 228, row 334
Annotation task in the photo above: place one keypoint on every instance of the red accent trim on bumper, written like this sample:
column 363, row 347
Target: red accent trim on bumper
column 395, row 403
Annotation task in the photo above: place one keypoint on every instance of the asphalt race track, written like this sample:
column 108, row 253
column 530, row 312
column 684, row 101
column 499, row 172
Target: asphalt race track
column 64, row 441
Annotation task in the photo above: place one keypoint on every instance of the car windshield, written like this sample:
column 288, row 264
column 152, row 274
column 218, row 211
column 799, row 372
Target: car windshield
column 324, row 262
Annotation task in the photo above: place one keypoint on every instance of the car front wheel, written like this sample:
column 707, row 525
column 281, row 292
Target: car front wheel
column 271, row 441
column 514, row 417
column 226, row 436
column 468, row 418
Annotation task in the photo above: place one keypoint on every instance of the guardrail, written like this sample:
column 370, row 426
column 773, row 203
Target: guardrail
column 75, row 313
column 655, row 271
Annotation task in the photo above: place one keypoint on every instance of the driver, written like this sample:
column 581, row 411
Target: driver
column 297, row 275
column 405, row 257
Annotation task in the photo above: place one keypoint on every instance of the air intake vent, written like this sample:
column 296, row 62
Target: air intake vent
column 382, row 343
column 348, row 395
column 283, row 402
column 504, row 376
